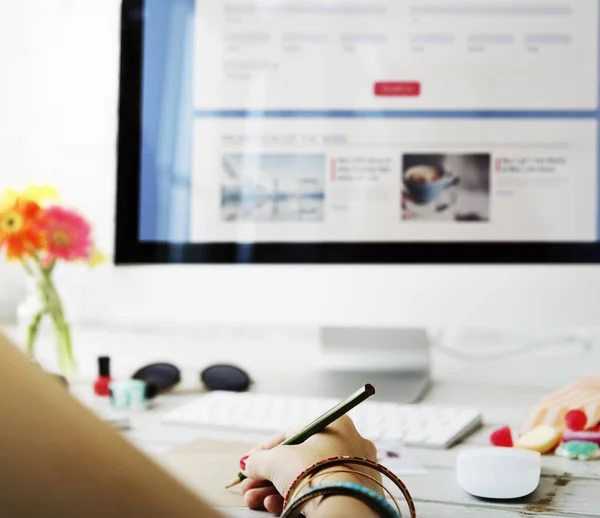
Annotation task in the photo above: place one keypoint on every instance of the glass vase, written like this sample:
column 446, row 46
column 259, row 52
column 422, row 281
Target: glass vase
column 43, row 310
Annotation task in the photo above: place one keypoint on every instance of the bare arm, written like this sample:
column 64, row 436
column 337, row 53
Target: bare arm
column 342, row 507
column 58, row 459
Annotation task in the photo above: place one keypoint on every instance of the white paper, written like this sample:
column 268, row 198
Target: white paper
column 399, row 459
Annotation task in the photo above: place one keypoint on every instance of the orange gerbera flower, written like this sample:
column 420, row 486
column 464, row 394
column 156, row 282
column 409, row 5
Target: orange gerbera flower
column 20, row 231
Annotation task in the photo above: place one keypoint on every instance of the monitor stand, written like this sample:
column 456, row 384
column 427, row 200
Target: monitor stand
column 395, row 361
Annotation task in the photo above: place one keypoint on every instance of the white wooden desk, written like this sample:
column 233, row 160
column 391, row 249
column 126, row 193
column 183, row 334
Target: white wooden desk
column 503, row 390
column 567, row 489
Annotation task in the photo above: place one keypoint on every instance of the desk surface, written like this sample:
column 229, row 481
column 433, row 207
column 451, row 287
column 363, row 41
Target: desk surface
column 503, row 389
column 567, row 488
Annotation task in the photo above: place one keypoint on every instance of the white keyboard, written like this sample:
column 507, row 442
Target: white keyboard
column 415, row 425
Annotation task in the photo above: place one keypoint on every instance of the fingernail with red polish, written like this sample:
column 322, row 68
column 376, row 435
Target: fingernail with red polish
column 243, row 462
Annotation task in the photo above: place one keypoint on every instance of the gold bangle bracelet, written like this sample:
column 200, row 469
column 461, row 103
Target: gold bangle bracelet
column 344, row 461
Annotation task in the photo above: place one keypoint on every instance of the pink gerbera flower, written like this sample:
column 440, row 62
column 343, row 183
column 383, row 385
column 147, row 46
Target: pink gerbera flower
column 68, row 234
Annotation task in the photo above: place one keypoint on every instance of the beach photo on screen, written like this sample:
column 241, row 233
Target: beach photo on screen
column 273, row 187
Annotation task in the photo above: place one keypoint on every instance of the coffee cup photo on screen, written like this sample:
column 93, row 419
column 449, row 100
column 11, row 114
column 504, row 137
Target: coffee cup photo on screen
column 446, row 187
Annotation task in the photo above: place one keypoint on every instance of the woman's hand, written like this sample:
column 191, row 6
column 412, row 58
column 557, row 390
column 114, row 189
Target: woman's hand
column 272, row 467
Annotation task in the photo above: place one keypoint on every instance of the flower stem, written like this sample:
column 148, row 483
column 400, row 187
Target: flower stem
column 52, row 306
column 50, row 268
column 65, row 351
column 32, row 332
column 27, row 267
column 63, row 332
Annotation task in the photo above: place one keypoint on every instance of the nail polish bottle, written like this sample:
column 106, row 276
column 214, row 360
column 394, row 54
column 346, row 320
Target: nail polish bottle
column 102, row 383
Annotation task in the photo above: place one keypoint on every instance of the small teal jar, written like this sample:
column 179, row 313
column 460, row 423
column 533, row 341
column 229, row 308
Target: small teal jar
column 128, row 395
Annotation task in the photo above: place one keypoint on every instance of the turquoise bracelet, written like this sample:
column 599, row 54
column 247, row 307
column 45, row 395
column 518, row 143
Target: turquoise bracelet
column 372, row 499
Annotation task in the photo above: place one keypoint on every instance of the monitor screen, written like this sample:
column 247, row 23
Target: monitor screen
column 359, row 131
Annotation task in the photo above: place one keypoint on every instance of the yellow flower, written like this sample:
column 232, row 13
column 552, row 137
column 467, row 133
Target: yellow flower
column 96, row 258
column 35, row 193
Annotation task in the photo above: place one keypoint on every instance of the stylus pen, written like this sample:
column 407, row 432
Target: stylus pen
column 320, row 423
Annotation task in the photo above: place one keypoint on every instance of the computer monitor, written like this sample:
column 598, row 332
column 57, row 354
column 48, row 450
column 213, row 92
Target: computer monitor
column 349, row 164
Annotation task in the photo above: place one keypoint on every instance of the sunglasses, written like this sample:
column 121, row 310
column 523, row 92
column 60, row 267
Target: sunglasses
column 163, row 377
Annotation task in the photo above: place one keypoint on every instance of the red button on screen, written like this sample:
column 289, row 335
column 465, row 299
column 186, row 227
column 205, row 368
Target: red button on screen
column 398, row 89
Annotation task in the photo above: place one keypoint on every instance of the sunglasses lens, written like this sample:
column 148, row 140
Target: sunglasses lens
column 225, row 377
column 160, row 377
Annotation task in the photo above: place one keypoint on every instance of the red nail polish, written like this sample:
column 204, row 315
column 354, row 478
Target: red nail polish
column 101, row 386
column 243, row 462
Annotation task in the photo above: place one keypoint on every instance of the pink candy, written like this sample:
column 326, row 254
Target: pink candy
column 592, row 435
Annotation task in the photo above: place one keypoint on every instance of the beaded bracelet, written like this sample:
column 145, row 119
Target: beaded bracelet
column 372, row 499
column 344, row 460
column 357, row 474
